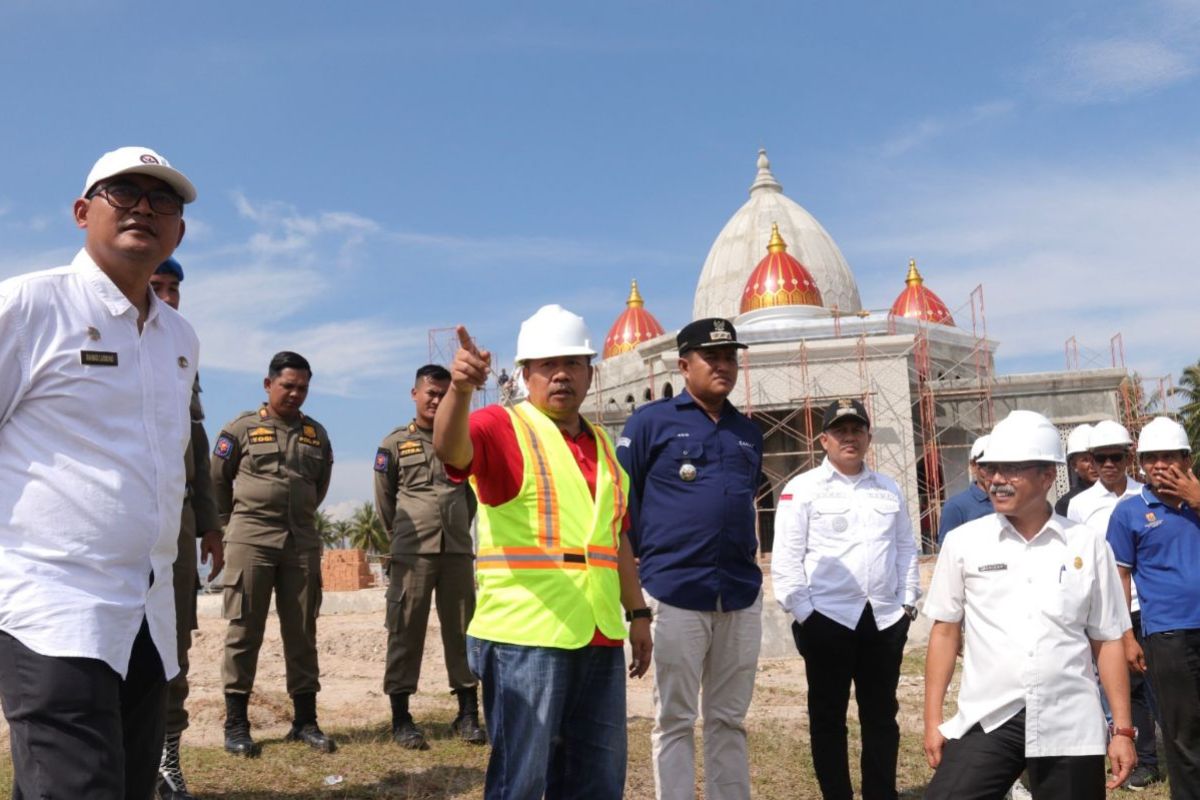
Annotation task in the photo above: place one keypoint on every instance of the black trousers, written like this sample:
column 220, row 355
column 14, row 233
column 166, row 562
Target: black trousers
column 983, row 766
column 1141, row 707
column 1173, row 659
column 835, row 656
column 77, row 729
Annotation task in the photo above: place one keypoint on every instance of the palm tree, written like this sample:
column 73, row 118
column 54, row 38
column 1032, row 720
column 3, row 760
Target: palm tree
column 366, row 530
column 326, row 529
column 1189, row 413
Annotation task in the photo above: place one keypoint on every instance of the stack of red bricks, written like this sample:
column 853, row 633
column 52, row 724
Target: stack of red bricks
column 345, row 571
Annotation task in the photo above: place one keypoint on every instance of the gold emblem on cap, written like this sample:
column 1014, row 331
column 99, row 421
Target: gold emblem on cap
column 1078, row 562
column 93, row 333
column 719, row 324
column 845, row 402
column 183, row 362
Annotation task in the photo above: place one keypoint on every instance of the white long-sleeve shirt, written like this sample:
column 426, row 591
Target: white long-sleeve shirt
column 841, row 542
column 1094, row 507
column 93, row 425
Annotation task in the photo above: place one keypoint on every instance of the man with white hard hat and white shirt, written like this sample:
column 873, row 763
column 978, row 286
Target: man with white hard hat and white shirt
column 1033, row 598
column 1109, row 446
column 845, row 568
column 1155, row 536
column 95, row 380
column 973, row 502
column 1081, row 468
column 554, row 567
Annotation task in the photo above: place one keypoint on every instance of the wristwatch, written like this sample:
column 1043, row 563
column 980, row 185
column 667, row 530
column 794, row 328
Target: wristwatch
column 638, row 613
column 910, row 612
column 1113, row 730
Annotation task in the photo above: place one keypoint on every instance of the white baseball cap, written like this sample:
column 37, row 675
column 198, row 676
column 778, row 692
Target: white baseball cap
column 139, row 161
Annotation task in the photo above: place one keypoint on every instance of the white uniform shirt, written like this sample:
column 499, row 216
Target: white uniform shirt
column 1094, row 506
column 1029, row 610
column 841, row 542
column 93, row 426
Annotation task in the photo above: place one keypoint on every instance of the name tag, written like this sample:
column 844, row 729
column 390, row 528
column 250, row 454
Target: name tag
column 98, row 358
column 993, row 567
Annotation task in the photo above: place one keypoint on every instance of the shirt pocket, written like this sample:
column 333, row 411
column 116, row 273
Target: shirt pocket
column 1072, row 594
column 312, row 461
column 265, row 458
column 682, row 461
column 414, row 469
column 830, row 517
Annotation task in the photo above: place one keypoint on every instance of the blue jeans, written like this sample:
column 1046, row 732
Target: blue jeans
column 556, row 719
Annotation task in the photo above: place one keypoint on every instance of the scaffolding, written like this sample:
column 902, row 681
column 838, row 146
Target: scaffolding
column 443, row 345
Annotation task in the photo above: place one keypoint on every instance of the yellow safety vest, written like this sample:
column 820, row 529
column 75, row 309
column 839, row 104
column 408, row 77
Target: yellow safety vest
column 547, row 559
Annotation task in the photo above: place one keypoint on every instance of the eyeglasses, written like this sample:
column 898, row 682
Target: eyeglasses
column 126, row 196
column 1111, row 458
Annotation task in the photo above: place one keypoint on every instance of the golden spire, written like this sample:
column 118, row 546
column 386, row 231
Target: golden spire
column 635, row 297
column 914, row 277
column 776, row 245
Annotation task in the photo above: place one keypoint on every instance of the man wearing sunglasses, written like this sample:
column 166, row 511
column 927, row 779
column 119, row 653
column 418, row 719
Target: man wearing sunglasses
column 96, row 376
column 1109, row 444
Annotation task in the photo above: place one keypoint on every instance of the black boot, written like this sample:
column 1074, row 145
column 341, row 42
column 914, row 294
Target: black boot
column 404, row 731
column 237, row 727
column 304, row 726
column 466, row 724
column 171, row 785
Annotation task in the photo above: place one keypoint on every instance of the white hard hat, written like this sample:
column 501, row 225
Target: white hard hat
column 553, row 331
column 1107, row 433
column 1024, row 436
column 1163, row 434
column 1077, row 439
column 978, row 447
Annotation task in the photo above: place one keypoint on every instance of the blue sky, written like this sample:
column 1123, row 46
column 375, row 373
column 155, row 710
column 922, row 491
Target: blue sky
column 370, row 171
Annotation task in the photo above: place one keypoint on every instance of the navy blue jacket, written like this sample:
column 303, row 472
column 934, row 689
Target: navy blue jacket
column 962, row 508
column 694, row 538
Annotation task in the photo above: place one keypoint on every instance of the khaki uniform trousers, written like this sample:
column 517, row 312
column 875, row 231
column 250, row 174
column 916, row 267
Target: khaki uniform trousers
column 704, row 661
column 414, row 580
column 252, row 572
column 184, row 575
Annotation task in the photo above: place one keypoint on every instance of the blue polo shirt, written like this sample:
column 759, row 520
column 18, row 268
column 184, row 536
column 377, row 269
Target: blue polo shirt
column 694, row 538
column 1161, row 545
column 962, row 508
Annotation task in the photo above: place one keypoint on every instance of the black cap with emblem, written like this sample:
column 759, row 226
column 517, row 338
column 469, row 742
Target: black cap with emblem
column 845, row 408
column 709, row 332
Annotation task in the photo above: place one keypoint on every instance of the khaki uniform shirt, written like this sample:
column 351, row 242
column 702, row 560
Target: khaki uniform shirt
column 270, row 476
column 423, row 511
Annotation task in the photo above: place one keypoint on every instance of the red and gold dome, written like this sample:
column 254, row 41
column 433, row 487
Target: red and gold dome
column 779, row 280
column 634, row 326
column 918, row 301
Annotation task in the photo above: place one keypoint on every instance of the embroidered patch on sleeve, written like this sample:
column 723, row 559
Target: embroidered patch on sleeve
column 224, row 445
column 382, row 457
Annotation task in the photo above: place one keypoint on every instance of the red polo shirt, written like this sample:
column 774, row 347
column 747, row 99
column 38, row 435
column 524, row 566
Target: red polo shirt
column 499, row 467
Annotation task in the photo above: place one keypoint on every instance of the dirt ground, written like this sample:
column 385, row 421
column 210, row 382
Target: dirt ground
column 352, row 646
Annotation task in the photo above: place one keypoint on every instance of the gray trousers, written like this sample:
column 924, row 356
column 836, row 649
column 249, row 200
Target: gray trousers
column 184, row 576
column 415, row 580
column 252, row 573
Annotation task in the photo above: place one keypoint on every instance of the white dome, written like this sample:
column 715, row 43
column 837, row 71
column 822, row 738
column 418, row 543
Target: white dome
column 742, row 243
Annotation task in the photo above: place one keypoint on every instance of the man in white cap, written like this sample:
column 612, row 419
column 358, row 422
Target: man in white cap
column 96, row 376
column 1034, row 598
column 973, row 502
column 1082, row 470
column 554, row 567
column 1155, row 536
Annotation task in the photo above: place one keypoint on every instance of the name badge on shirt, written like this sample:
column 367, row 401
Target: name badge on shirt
column 262, row 435
column 993, row 567
column 98, row 358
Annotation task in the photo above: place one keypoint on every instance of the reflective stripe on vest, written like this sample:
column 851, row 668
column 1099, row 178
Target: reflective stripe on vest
column 546, row 566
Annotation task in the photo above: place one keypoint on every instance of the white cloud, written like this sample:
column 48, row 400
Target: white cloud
column 352, row 484
column 1087, row 253
column 926, row 130
column 1146, row 47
